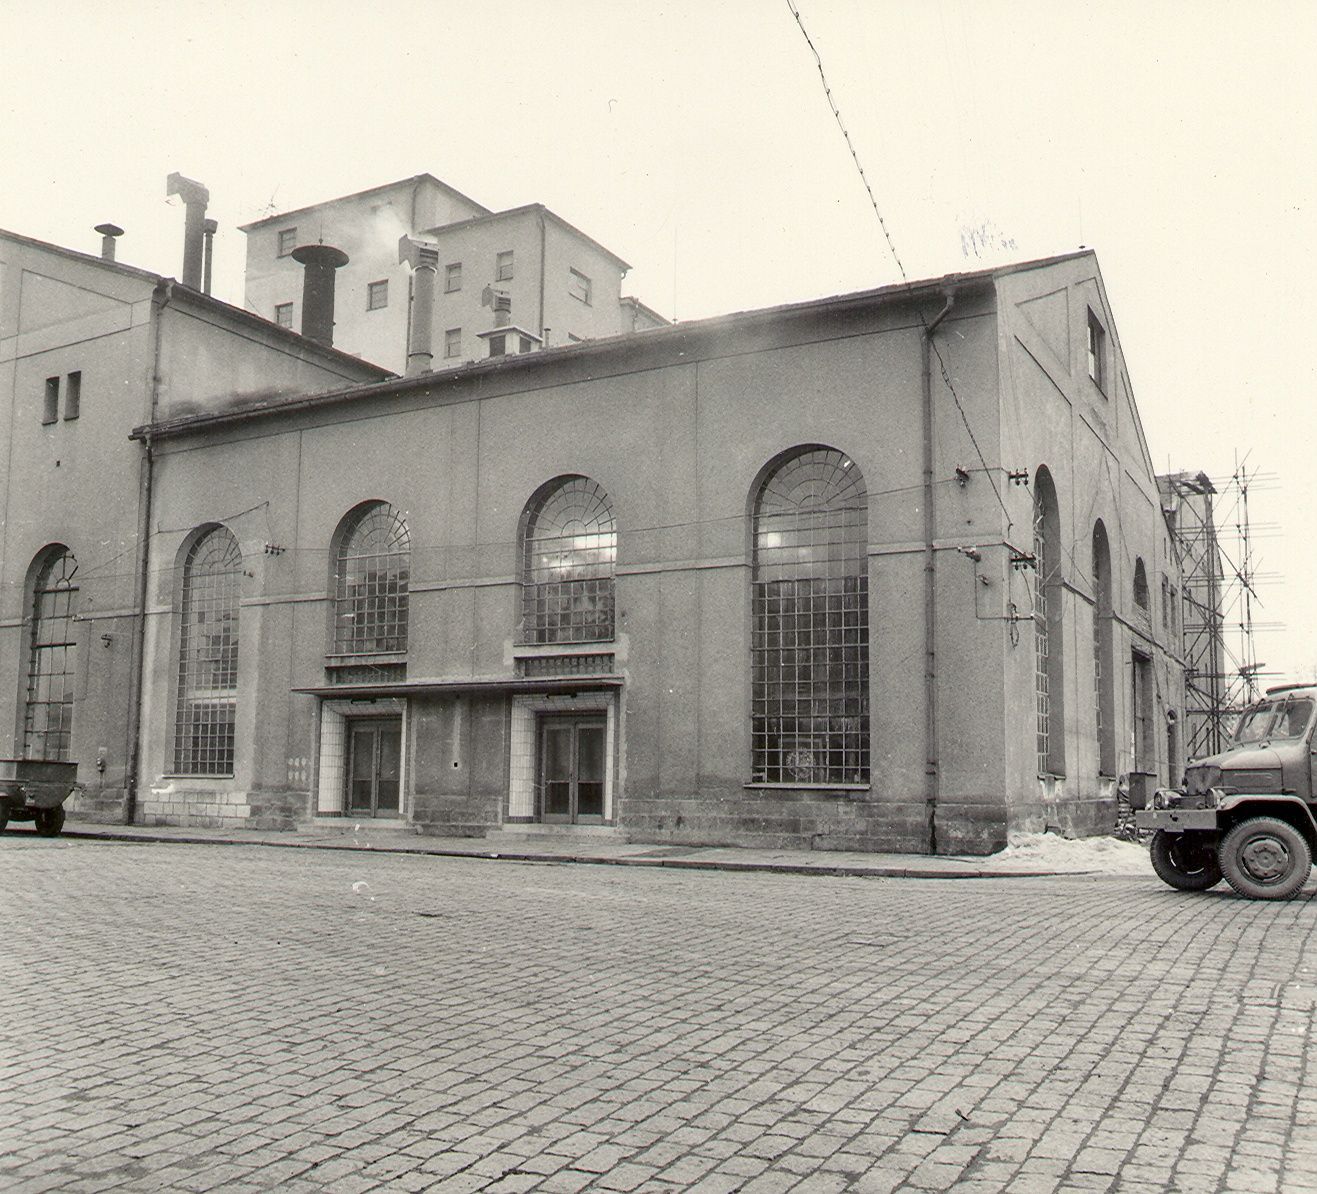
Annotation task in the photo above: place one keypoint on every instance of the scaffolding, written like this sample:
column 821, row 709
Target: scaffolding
column 1215, row 542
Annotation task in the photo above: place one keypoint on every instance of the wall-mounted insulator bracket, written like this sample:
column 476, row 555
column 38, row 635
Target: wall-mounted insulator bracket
column 1023, row 559
column 1018, row 476
column 273, row 549
column 962, row 475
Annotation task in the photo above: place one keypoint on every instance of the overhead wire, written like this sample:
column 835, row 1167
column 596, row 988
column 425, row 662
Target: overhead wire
column 891, row 245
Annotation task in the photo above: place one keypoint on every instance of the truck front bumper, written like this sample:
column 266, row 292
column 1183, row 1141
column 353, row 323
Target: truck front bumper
column 1177, row 820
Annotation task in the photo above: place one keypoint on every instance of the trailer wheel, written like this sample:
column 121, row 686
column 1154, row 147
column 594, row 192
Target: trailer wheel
column 50, row 821
column 1265, row 859
column 1185, row 861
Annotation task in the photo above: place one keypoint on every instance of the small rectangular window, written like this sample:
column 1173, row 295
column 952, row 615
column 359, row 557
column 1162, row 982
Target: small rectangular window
column 50, row 412
column 72, row 395
column 503, row 267
column 452, row 277
column 1097, row 351
column 377, row 295
column 287, row 241
column 578, row 286
column 283, row 314
column 498, row 345
column 453, row 343
column 523, row 344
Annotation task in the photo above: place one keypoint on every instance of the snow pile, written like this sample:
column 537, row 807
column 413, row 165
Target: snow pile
column 1107, row 855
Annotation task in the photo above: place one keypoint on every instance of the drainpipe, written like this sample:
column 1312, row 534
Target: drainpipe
column 543, row 266
column 160, row 299
column 932, row 772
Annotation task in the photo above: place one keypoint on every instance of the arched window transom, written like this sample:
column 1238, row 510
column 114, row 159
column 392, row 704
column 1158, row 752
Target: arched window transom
column 48, row 709
column 208, row 656
column 371, row 571
column 810, row 605
column 568, row 558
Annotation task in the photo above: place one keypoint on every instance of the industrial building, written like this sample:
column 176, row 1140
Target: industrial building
column 884, row 571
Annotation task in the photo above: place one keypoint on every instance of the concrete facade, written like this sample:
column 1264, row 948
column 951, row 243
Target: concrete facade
column 678, row 428
column 528, row 253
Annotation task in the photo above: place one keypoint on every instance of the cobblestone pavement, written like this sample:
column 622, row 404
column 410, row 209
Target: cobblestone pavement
column 191, row 1017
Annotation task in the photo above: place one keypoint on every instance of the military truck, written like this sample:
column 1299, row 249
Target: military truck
column 1246, row 814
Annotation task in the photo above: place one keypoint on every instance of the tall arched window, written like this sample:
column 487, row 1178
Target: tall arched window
column 1104, row 694
column 810, row 604
column 372, row 565
column 568, row 555
column 208, row 656
column 1140, row 585
column 52, row 657
column 1049, row 685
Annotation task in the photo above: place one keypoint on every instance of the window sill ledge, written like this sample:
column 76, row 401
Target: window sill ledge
column 811, row 787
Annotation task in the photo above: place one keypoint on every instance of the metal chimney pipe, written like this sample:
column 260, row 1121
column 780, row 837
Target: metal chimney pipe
column 208, row 228
column 502, row 310
column 424, row 260
column 319, row 263
column 108, row 233
column 195, row 197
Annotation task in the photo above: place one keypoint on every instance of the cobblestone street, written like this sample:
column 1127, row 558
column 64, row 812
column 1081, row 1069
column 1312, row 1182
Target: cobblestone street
column 191, row 1017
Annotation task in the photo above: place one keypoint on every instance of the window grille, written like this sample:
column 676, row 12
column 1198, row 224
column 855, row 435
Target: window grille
column 1042, row 634
column 48, row 713
column 810, row 640
column 565, row 665
column 568, row 554
column 208, row 656
column 371, row 569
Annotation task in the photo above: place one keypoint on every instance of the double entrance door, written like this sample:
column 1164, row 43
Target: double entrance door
column 374, row 767
column 573, row 765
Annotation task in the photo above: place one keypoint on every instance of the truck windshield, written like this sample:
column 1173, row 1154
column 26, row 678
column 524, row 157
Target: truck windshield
column 1293, row 719
column 1275, row 720
column 1255, row 724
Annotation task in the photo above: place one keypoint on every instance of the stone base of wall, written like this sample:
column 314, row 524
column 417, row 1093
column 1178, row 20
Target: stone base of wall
column 458, row 814
column 207, row 809
column 1071, row 817
column 102, row 806
column 778, row 818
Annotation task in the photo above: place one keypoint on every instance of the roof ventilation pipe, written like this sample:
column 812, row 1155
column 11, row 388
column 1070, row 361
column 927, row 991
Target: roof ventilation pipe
column 318, row 265
column 424, row 260
column 195, row 197
column 108, row 233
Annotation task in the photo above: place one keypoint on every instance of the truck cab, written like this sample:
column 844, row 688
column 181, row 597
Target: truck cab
column 1246, row 814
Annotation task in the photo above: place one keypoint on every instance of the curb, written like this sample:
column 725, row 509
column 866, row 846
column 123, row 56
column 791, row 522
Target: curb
column 828, row 870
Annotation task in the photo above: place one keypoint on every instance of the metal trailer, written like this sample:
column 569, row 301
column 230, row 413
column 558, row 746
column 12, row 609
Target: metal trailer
column 35, row 790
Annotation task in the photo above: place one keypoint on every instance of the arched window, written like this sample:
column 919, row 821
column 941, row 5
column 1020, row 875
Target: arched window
column 52, row 657
column 208, row 656
column 568, row 556
column 372, row 565
column 810, row 604
column 1103, row 668
column 1049, row 685
column 1140, row 584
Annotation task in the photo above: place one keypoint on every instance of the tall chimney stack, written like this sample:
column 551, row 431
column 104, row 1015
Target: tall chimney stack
column 108, row 233
column 195, row 197
column 318, row 265
column 208, row 228
column 424, row 260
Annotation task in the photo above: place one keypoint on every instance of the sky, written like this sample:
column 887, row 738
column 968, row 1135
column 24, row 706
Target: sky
column 695, row 140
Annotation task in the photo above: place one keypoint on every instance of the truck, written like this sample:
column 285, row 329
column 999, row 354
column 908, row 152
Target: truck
column 1246, row 814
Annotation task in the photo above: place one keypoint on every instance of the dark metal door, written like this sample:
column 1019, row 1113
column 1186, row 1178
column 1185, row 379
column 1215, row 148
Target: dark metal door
column 573, row 769
column 375, row 767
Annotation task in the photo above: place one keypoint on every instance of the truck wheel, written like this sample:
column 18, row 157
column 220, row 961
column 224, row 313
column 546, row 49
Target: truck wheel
column 1185, row 861
column 50, row 821
column 1265, row 859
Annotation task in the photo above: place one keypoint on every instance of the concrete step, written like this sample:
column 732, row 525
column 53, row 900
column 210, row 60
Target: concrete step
column 557, row 834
